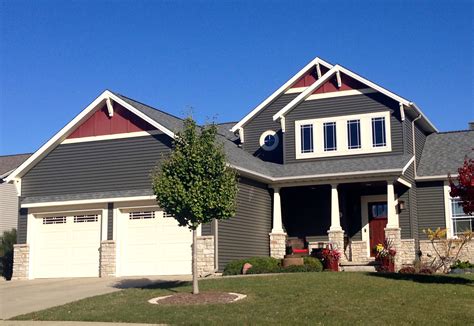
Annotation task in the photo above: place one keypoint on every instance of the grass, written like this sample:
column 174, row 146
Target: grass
column 301, row 298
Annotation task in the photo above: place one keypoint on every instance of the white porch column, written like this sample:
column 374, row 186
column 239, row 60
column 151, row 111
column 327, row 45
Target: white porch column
column 392, row 216
column 335, row 214
column 277, row 236
column 277, row 222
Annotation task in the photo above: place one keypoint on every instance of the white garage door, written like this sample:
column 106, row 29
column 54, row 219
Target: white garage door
column 67, row 246
column 152, row 243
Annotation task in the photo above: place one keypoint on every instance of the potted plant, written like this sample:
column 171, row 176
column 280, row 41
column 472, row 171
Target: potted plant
column 330, row 258
column 385, row 254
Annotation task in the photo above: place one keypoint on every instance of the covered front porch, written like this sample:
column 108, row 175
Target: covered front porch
column 351, row 216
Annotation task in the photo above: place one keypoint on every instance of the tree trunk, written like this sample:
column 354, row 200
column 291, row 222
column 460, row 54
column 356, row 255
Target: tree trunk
column 195, row 271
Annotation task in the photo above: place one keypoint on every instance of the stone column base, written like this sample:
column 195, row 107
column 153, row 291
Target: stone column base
column 205, row 255
column 107, row 258
column 277, row 245
column 21, row 262
column 394, row 235
column 336, row 238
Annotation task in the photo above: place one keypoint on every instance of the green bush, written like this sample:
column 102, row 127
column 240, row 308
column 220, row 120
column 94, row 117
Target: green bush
column 462, row 265
column 300, row 269
column 314, row 263
column 7, row 240
column 259, row 265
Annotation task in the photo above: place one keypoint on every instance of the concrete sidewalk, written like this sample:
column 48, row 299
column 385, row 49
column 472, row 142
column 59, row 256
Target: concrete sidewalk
column 66, row 323
column 21, row 297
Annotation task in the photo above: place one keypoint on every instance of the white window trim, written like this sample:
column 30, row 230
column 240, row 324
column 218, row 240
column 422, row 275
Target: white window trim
column 341, row 135
column 262, row 140
column 448, row 212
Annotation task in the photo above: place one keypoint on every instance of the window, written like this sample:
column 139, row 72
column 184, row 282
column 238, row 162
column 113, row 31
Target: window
column 378, row 132
column 329, row 136
column 54, row 220
column 141, row 215
column 269, row 140
column 353, row 134
column 307, row 138
column 167, row 215
column 85, row 218
column 461, row 221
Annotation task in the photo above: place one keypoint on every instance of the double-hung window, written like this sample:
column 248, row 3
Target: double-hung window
column 378, row 132
column 353, row 134
column 307, row 138
column 461, row 221
column 330, row 142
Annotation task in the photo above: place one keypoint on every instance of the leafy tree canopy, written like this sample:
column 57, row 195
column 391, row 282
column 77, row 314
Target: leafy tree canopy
column 464, row 188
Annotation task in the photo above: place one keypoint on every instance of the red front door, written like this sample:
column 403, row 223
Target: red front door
column 377, row 223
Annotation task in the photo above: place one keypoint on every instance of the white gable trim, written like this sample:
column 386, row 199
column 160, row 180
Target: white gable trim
column 326, row 76
column 81, row 117
column 316, row 61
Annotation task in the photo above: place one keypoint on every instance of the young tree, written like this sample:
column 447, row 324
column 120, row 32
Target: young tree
column 194, row 184
column 464, row 189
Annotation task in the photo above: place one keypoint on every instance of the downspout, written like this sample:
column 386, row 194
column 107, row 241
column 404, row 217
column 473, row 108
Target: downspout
column 216, row 246
column 413, row 143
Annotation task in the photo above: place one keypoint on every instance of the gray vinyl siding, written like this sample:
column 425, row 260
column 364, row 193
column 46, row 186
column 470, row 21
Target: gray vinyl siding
column 430, row 205
column 206, row 229
column 22, row 225
column 339, row 106
column 8, row 207
column 109, row 165
column 262, row 122
column 420, row 138
column 408, row 136
column 404, row 216
column 412, row 203
column 247, row 233
column 110, row 221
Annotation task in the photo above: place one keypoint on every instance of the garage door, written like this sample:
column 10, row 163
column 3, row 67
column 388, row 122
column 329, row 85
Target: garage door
column 67, row 246
column 152, row 243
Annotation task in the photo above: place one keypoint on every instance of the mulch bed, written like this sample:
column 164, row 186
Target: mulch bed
column 196, row 299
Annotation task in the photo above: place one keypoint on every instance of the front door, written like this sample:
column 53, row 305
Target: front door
column 377, row 223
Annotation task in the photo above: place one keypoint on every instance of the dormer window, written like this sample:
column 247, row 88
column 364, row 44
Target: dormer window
column 343, row 135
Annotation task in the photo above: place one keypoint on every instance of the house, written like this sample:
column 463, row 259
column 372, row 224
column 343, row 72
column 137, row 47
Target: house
column 329, row 157
column 8, row 194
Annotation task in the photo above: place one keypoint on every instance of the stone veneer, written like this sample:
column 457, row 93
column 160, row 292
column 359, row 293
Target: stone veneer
column 107, row 258
column 358, row 250
column 394, row 234
column 428, row 253
column 277, row 245
column 407, row 251
column 205, row 255
column 336, row 238
column 21, row 261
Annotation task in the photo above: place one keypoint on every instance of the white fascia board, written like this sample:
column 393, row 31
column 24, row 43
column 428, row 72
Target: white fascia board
column 435, row 177
column 418, row 110
column 65, row 131
column 408, row 164
column 404, row 182
column 280, row 90
column 86, row 201
column 307, row 92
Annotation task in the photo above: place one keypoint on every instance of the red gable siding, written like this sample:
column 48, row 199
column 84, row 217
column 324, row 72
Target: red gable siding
column 347, row 83
column 310, row 77
column 123, row 121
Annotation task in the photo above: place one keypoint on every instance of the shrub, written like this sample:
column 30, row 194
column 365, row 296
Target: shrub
column 407, row 270
column 426, row 270
column 462, row 265
column 7, row 240
column 259, row 265
column 314, row 263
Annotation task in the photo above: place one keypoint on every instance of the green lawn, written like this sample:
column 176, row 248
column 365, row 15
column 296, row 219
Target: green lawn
column 302, row 298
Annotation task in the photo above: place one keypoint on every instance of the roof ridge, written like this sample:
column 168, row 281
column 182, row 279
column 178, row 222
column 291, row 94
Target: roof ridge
column 149, row 106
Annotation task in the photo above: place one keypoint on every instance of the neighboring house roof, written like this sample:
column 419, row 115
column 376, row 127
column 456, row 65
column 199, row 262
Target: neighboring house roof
column 10, row 162
column 444, row 152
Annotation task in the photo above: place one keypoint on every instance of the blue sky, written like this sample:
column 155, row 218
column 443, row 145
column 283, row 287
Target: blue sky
column 222, row 58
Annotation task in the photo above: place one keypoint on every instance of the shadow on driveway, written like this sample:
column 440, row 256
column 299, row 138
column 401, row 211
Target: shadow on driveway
column 420, row 278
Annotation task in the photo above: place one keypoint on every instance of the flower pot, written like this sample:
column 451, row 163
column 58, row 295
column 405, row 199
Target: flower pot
column 331, row 264
column 388, row 264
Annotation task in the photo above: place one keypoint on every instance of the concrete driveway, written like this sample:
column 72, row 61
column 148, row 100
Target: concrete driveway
column 21, row 297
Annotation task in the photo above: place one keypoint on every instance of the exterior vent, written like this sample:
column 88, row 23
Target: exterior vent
column 85, row 218
column 141, row 215
column 54, row 220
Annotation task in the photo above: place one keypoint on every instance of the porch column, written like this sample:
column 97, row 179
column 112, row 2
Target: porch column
column 335, row 213
column 277, row 223
column 392, row 216
column 335, row 233
column 277, row 236
column 392, row 230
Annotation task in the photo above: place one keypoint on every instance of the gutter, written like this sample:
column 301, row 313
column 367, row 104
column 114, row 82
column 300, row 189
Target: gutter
column 418, row 110
column 413, row 142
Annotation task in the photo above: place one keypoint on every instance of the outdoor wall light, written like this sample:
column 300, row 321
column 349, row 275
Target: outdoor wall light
column 401, row 205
